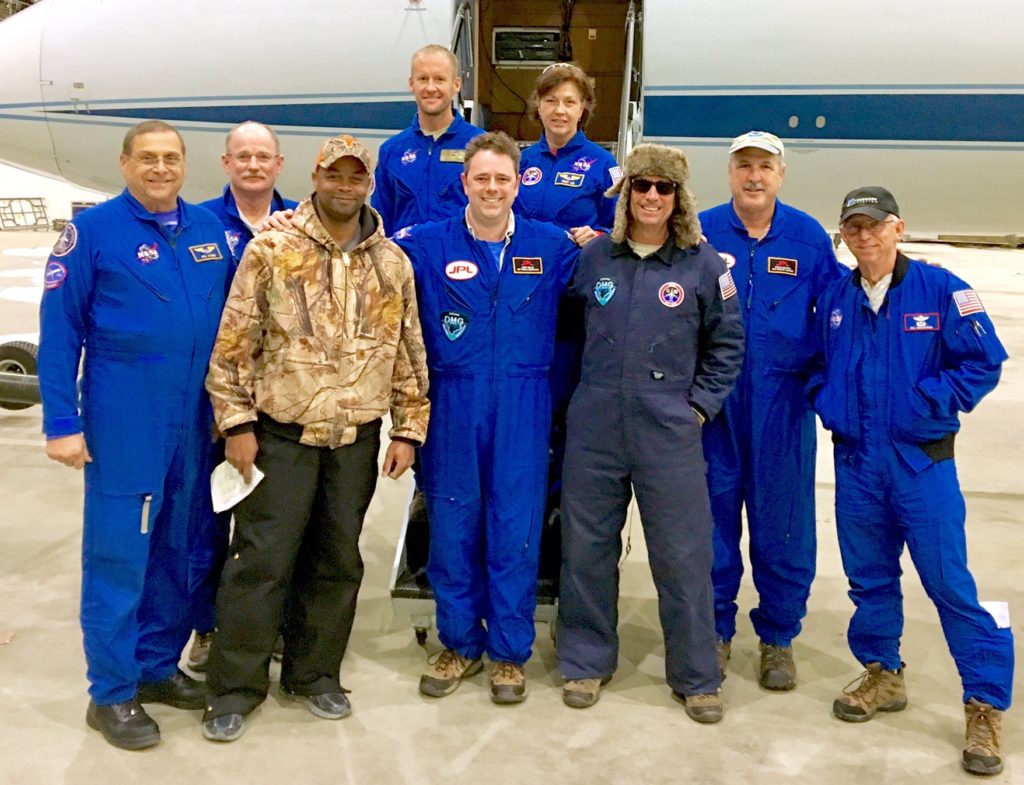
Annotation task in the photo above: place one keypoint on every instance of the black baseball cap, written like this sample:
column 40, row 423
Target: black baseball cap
column 872, row 201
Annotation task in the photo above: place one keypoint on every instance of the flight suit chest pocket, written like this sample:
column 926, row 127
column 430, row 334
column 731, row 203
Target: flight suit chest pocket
column 149, row 280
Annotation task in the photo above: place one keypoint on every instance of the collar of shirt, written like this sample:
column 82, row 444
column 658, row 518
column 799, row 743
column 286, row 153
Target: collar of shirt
column 569, row 148
column 876, row 293
column 509, row 230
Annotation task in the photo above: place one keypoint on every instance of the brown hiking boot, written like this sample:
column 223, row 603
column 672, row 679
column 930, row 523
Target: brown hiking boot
column 981, row 747
column 724, row 651
column 508, row 683
column 199, row 653
column 878, row 690
column 778, row 671
column 701, row 708
column 582, row 693
column 445, row 672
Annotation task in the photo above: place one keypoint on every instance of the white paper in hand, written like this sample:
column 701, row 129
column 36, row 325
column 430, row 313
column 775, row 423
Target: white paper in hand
column 228, row 487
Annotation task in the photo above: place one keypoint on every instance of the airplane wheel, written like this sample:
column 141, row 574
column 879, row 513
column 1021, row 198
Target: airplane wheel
column 18, row 357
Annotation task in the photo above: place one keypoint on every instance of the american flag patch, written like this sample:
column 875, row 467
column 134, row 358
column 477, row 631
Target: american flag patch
column 727, row 285
column 968, row 302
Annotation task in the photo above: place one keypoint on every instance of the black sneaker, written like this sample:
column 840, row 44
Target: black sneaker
column 226, row 727
column 125, row 725
column 326, row 705
column 179, row 691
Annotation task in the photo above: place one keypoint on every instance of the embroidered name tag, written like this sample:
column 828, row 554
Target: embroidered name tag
column 569, row 179
column 781, row 266
column 527, row 265
column 920, row 322
column 451, row 156
column 208, row 252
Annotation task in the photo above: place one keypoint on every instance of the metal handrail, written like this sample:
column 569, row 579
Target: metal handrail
column 622, row 146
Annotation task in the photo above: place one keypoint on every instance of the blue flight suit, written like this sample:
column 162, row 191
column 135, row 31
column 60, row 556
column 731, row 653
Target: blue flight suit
column 144, row 302
column 890, row 388
column 761, row 448
column 489, row 337
column 663, row 337
column 238, row 232
column 418, row 179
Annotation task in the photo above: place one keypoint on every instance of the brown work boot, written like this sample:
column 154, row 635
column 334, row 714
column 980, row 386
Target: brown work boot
column 508, row 683
column 778, row 671
column 878, row 690
column 981, row 747
column 701, row 708
column 445, row 672
column 199, row 653
column 724, row 651
column 582, row 693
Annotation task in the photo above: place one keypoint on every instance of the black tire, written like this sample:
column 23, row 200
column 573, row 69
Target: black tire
column 18, row 357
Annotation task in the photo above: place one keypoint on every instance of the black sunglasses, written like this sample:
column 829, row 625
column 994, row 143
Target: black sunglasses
column 642, row 186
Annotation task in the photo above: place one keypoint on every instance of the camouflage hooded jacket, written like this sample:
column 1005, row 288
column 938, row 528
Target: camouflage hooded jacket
column 320, row 337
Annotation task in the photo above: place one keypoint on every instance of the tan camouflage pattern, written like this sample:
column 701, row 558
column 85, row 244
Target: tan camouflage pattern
column 322, row 338
column 341, row 147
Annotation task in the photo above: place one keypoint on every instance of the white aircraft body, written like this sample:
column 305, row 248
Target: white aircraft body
column 926, row 98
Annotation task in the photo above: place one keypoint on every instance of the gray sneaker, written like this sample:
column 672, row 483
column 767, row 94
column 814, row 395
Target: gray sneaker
column 325, row 705
column 778, row 670
column 226, row 727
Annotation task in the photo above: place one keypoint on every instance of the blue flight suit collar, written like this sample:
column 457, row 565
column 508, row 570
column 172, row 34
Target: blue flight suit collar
column 136, row 208
column 573, row 146
column 230, row 206
column 425, row 138
column 779, row 220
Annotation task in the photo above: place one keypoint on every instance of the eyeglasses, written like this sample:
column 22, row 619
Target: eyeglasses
column 244, row 158
column 855, row 226
column 148, row 160
column 642, row 185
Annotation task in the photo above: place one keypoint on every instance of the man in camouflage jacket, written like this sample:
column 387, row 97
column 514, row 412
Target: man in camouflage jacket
column 319, row 338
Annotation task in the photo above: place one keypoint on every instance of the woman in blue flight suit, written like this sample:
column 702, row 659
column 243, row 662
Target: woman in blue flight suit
column 564, row 179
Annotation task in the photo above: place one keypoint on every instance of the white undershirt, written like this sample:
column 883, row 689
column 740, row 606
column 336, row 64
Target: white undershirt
column 876, row 294
column 641, row 249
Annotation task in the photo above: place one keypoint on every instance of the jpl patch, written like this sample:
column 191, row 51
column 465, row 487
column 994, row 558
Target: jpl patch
column 454, row 324
column 461, row 270
column 835, row 319
column 570, row 179
column 527, row 265
column 66, row 242
column 408, row 157
column 207, row 252
column 781, row 266
column 54, row 274
column 532, row 176
column 670, row 294
column 918, row 322
column 604, row 290
column 968, row 302
column 147, row 254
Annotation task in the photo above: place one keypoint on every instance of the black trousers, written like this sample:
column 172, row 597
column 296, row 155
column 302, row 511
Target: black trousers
column 294, row 557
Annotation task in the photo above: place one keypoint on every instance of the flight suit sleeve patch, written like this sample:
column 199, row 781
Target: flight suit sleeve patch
column 615, row 173
column 727, row 285
column 968, row 302
column 66, row 242
column 55, row 274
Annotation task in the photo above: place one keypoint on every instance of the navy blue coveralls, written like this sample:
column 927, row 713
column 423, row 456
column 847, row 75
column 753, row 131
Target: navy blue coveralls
column 761, row 448
column 418, row 179
column 890, row 390
column 489, row 339
column 664, row 336
column 144, row 302
column 237, row 231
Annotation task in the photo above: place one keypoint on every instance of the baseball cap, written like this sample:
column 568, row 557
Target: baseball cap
column 761, row 140
column 872, row 201
column 340, row 147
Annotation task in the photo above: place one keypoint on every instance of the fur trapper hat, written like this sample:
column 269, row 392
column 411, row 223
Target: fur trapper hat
column 660, row 161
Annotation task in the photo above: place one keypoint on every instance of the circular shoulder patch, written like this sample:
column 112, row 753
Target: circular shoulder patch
column 66, row 242
column 729, row 259
column 54, row 274
column 532, row 176
column 670, row 294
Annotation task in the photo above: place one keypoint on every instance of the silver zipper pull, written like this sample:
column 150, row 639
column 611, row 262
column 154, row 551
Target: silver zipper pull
column 146, row 501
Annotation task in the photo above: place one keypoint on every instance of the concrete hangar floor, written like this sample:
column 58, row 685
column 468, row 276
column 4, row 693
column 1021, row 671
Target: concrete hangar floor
column 635, row 734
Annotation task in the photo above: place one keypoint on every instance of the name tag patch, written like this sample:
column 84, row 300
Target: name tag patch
column 920, row 322
column 782, row 266
column 451, row 156
column 671, row 294
column 569, row 179
column 454, row 324
column 461, row 270
column 527, row 265
column 207, row 252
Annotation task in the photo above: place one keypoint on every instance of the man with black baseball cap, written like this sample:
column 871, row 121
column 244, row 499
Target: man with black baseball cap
column 761, row 448
column 905, row 347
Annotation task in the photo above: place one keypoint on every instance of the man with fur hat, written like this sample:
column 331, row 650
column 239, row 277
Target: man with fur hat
column 320, row 338
column 663, row 349
column 761, row 448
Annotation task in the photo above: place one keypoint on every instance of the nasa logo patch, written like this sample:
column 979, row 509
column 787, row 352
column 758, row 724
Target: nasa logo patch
column 604, row 290
column 835, row 319
column 583, row 164
column 461, row 270
column 920, row 322
column 233, row 238
column 402, row 233
column 147, row 254
column 54, row 274
column 532, row 176
column 66, row 242
column 454, row 324
column 408, row 157
column 729, row 259
column 671, row 294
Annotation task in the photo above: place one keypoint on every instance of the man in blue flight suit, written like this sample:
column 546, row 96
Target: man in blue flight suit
column 138, row 282
column 252, row 161
column 488, row 285
column 418, row 171
column 904, row 348
column 761, row 448
column 664, row 344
